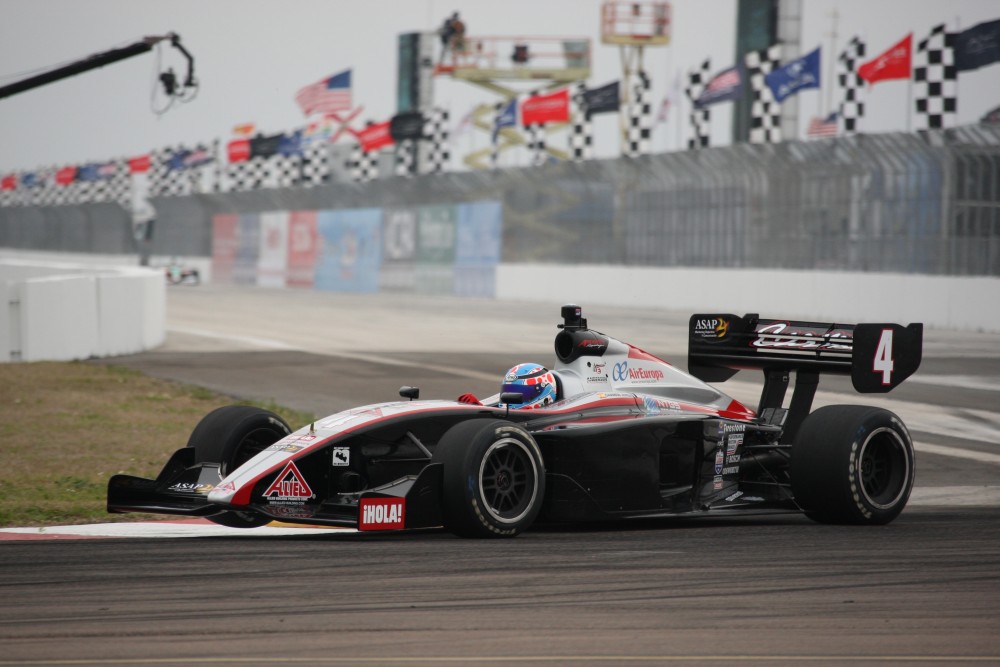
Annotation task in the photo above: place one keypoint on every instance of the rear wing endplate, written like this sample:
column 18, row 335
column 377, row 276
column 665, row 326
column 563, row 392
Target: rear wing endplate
column 877, row 356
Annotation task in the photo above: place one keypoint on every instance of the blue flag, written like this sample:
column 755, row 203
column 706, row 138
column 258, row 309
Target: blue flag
column 791, row 78
column 978, row 46
column 87, row 172
column 506, row 118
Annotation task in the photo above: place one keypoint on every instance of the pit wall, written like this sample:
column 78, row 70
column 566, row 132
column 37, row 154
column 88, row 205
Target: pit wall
column 63, row 310
column 455, row 250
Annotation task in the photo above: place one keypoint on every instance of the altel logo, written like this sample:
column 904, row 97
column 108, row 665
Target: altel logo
column 289, row 485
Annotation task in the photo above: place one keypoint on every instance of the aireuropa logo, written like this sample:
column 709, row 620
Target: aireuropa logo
column 620, row 372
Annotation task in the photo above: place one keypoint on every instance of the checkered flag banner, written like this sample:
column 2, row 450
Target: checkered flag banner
column 640, row 117
column 406, row 159
column 315, row 165
column 249, row 175
column 362, row 165
column 700, row 118
column 852, row 87
column 765, row 112
column 935, row 76
column 581, row 137
column 536, row 143
column 436, row 131
column 164, row 181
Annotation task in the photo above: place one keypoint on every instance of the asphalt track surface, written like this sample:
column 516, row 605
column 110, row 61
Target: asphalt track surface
column 753, row 590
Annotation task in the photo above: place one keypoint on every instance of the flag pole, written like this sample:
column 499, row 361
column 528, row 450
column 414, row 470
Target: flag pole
column 834, row 15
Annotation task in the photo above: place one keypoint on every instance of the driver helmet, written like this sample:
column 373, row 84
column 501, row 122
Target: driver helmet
column 534, row 382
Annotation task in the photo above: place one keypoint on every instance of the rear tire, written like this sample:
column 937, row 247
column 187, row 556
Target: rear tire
column 852, row 464
column 230, row 436
column 493, row 478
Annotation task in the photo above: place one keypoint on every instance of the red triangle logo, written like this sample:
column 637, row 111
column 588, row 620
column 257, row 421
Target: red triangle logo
column 289, row 485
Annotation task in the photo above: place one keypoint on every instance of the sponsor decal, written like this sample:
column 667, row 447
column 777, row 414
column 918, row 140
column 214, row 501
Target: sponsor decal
column 599, row 368
column 717, row 484
column 596, row 344
column 341, row 456
column 733, row 458
column 187, row 487
column 714, row 328
column 733, row 442
column 285, row 447
column 720, row 460
column 289, row 485
column 731, row 470
column 725, row 428
column 291, row 511
column 228, row 487
column 652, row 405
column 382, row 514
column 734, row 496
column 779, row 336
column 621, row 373
column 597, row 378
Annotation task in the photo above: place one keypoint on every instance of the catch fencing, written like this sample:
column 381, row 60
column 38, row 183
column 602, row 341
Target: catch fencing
column 924, row 203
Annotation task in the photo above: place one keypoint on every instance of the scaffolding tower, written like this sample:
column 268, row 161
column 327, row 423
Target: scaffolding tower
column 632, row 26
column 498, row 64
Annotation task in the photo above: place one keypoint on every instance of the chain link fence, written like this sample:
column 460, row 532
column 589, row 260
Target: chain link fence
column 926, row 203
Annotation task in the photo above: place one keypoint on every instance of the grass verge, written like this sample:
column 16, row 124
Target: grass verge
column 65, row 428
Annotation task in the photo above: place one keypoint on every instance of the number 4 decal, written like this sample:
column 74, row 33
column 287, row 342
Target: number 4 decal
column 883, row 357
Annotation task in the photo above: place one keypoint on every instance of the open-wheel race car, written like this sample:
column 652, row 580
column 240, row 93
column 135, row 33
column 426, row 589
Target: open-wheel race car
column 626, row 435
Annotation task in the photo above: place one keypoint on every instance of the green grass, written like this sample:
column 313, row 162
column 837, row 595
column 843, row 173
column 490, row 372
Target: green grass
column 65, row 428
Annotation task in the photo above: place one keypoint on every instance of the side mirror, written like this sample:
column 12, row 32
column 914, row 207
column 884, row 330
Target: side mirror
column 409, row 392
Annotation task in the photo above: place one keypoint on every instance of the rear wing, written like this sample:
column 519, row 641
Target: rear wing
column 878, row 357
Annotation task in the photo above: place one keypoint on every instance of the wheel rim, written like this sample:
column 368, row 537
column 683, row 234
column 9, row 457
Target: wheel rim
column 883, row 468
column 508, row 480
column 252, row 444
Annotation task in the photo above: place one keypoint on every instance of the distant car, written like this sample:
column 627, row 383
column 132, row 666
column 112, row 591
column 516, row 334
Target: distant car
column 178, row 274
column 628, row 436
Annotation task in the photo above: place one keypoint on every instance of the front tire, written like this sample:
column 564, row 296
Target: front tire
column 852, row 464
column 230, row 436
column 493, row 478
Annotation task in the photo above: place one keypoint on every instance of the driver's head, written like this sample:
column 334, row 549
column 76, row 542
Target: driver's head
column 534, row 382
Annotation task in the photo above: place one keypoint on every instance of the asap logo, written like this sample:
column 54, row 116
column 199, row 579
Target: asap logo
column 712, row 328
column 382, row 514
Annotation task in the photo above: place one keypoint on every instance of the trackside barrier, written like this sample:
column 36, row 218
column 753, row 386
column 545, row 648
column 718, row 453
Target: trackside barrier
column 60, row 312
column 944, row 302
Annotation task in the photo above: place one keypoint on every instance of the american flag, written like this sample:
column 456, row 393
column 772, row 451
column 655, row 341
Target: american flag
column 822, row 127
column 329, row 95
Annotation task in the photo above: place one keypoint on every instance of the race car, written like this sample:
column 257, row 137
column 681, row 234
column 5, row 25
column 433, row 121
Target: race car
column 625, row 436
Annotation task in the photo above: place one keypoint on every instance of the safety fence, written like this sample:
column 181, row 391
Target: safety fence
column 926, row 203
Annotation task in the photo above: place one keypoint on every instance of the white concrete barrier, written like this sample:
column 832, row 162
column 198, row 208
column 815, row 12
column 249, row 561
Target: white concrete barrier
column 944, row 302
column 60, row 311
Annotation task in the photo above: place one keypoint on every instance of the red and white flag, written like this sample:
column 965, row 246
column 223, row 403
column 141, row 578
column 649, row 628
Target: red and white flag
column 894, row 63
column 375, row 136
column 549, row 108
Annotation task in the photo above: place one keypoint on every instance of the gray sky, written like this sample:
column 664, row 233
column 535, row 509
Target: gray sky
column 253, row 55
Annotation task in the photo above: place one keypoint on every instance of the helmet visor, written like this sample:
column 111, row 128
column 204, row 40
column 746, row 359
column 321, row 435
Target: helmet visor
column 528, row 392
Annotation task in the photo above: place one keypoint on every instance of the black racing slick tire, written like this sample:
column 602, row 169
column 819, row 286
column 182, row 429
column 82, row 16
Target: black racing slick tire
column 852, row 464
column 493, row 480
column 231, row 436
